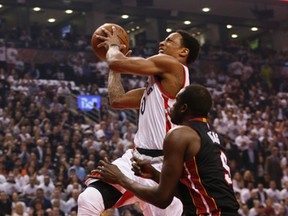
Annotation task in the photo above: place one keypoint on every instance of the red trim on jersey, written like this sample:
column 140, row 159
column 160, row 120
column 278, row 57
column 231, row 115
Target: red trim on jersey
column 166, row 93
column 166, row 107
column 203, row 202
column 198, row 119
column 183, row 84
column 123, row 198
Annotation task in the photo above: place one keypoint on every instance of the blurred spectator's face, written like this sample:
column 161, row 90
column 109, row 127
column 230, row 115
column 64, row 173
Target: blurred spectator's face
column 38, row 205
column 46, row 180
column 15, row 197
column 272, row 184
column 73, row 213
column 60, row 149
column 32, row 180
column 10, row 177
column 275, row 151
column 19, row 208
column 76, row 161
column 23, row 129
column 260, row 187
column 3, row 196
column 56, row 203
column 40, row 194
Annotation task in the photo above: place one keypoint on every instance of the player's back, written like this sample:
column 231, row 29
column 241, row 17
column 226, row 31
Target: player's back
column 206, row 184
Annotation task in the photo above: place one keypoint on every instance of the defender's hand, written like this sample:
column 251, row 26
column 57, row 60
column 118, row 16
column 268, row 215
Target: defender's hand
column 142, row 168
column 107, row 172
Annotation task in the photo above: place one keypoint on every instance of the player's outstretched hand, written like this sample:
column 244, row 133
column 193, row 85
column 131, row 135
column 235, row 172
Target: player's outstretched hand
column 106, row 172
column 111, row 38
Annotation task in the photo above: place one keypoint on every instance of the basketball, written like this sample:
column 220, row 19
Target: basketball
column 100, row 52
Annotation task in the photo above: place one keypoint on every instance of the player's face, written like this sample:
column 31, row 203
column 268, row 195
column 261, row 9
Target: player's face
column 171, row 44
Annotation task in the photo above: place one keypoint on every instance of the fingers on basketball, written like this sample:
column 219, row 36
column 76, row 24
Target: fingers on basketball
column 100, row 52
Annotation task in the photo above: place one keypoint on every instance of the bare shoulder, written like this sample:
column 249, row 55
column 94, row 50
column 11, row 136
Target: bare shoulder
column 187, row 139
column 171, row 73
column 163, row 59
column 182, row 132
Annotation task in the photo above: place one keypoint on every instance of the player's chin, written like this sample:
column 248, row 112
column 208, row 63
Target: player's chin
column 161, row 51
column 175, row 120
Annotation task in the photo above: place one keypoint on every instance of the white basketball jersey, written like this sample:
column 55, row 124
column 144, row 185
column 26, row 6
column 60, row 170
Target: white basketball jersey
column 154, row 121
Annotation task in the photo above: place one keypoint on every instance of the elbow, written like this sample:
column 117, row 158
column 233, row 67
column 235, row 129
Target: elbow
column 164, row 203
column 115, row 104
column 163, row 206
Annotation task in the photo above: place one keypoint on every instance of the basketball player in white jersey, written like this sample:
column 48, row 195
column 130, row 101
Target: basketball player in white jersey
column 167, row 74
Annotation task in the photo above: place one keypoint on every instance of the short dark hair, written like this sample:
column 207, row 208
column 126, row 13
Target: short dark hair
column 191, row 43
column 198, row 100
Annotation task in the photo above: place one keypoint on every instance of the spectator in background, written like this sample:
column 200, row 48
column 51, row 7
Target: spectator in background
column 39, row 151
column 48, row 187
column 18, row 207
column 37, row 208
column 71, row 203
column 261, row 194
column 40, row 202
column 273, row 193
column 260, row 168
column 56, row 210
column 62, row 92
column 5, row 204
column 29, row 190
column 78, row 169
column 19, row 210
column 241, row 140
column 56, row 105
column 273, row 168
column 284, row 191
column 25, row 38
column 33, row 71
column 58, row 198
column 250, row 158
column 11, row 186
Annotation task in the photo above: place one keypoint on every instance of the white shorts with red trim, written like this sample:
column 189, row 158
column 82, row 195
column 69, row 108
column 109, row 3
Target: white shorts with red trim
column 124, row 163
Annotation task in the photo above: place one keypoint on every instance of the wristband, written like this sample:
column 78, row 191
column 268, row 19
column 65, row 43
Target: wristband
column 114, row 45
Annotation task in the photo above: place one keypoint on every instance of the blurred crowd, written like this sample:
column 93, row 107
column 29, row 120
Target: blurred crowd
column 48, row 147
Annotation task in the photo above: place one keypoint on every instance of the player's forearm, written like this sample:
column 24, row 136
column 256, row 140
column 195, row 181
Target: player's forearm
column 115, row 88
column 156, row 176
column 146, row 193
column 115, row 58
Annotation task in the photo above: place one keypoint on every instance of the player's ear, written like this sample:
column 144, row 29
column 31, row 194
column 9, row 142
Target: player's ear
column 184, row 108
column 184, row 52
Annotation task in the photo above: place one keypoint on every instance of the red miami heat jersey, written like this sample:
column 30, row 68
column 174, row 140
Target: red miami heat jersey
column 205, row 186
column 154, row 121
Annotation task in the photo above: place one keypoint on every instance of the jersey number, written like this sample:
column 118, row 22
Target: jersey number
column 227, row 174
column 143, row 105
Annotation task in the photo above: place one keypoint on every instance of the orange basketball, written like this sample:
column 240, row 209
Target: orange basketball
column 101, row 52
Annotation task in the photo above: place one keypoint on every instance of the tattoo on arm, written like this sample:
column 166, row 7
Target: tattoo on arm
column 115, row 87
